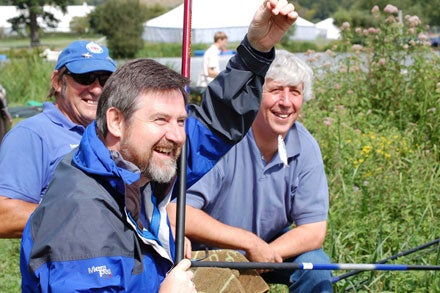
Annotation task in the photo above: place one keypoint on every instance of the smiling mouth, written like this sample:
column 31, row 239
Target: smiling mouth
column 282, row 116
column 91, row 102
column 164, row 151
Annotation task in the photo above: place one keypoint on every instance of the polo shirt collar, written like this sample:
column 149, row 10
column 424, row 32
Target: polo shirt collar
column 57, row 117
column 293, row 145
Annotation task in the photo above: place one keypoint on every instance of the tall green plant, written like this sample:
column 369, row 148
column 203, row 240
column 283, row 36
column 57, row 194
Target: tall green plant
column 374, row 115
column 121, row 21
column 392, row 71
column 26, row 79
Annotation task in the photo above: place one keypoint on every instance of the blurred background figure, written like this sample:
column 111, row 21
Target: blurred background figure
column 5, row 117
column 211, row 63
column 50, row 55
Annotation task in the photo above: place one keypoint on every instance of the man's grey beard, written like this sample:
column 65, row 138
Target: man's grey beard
column 161, row 174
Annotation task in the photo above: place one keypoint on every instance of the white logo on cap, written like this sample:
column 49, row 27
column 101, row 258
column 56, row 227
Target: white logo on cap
column 94, row 48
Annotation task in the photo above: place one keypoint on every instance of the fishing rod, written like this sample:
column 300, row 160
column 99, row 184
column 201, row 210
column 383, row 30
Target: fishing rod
column 311, row 266
column 181, row 197
column 380, row 266
column 393, row 257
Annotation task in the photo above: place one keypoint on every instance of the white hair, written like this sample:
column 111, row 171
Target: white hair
column 290, row 70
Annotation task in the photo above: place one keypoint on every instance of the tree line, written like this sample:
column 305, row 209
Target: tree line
column 313, row 10
column 121, row 21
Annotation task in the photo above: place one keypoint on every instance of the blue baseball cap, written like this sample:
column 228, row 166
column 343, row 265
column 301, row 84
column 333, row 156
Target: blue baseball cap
column 85, row 56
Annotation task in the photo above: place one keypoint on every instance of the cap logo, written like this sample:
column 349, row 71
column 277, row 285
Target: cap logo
column 94, row 48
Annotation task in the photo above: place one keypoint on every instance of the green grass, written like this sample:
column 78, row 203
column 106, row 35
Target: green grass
column 54, row 41
column 10, row 278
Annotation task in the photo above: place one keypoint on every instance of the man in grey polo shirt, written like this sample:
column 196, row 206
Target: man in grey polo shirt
column 268, row 195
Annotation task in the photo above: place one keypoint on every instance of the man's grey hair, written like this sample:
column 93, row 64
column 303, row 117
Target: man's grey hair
column 290, row 70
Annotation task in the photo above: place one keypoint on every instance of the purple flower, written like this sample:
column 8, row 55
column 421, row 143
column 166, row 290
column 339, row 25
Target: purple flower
column 375, row 9
column 413, row 20
column 345, row 25
column 391, row 9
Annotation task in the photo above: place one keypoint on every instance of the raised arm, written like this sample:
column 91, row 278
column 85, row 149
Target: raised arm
column 270, row 23
column 232, row 100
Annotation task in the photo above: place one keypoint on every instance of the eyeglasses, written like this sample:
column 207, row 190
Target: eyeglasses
column 89, row 77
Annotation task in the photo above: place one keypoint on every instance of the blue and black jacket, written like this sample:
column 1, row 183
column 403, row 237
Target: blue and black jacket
column 96, row 229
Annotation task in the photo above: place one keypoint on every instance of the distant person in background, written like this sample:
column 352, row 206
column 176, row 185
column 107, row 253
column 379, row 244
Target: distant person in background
column 31, row 150
column 5, row 117
column 211, row 62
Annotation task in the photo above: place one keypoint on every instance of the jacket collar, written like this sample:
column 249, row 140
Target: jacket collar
column 95, row 158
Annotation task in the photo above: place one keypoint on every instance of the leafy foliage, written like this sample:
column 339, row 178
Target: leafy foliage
column 121, row 21
column 392, row 68
column 321, row 9
column 375, row 117
column 31, row 10
column 80, row 25
column 154, row 10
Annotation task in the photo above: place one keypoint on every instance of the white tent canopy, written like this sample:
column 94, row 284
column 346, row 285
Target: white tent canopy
column 305, row 30
column 328, row 29
column 209, row 16
column 6, row 13
column 65, row 19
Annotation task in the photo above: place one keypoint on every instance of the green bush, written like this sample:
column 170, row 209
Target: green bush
column 80, row 25
column 300, row 46
column 27, row 78
column 375, row 117
column 394, row 73
column 121, row 21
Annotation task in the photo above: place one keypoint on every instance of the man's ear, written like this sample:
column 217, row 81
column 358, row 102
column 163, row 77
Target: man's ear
column 115, row 122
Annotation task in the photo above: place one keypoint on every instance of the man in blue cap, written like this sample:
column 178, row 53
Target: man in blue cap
column 32, row 149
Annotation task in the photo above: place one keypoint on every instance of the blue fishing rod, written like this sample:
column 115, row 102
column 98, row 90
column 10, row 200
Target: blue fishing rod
column 356, row 268
column 385, row 260
column 311, row 266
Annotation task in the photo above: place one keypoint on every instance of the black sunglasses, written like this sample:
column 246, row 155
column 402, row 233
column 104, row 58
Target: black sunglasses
column 89, row 77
